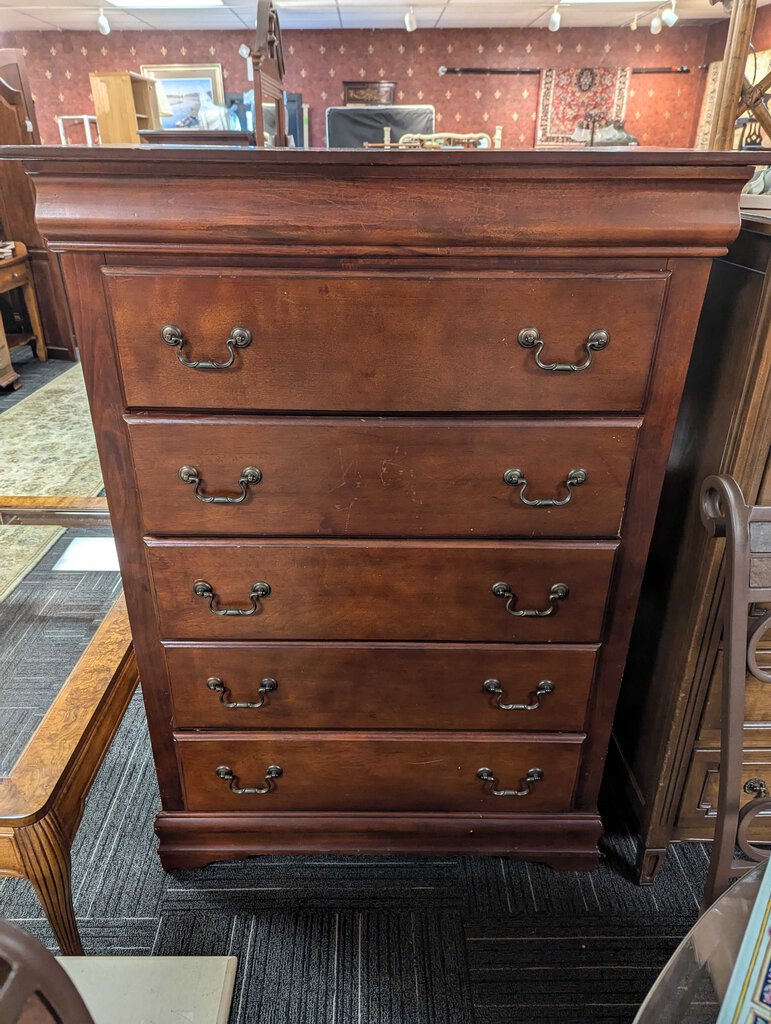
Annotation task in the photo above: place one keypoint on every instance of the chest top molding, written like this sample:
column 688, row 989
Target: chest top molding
column 649, row 202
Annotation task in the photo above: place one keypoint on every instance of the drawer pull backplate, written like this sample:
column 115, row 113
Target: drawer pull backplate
column 558, row 592
column 488, row 777
column 530, row 337
column 240, row 337
column 250, row 475
column 205, row 590
column 267, row 685
column 516, row 478
column 494, row 687
column 275, row 771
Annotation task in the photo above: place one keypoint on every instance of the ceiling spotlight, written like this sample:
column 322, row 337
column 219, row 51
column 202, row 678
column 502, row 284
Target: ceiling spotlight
column 633, row 26
column 669, row 15
column 555, row 19
column 656, row 24
column 102, row 23
column 410, row 21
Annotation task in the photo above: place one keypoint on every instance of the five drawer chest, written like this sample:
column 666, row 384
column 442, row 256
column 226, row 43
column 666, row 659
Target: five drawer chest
column 383, row 436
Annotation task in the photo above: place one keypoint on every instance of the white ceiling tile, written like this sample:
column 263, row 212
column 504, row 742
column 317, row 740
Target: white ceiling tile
column 300, row 18
column 206, row 18
column 25, row 15
column 19, row 21
column 388, row 13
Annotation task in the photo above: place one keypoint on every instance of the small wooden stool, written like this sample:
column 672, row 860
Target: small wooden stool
column 16, row 273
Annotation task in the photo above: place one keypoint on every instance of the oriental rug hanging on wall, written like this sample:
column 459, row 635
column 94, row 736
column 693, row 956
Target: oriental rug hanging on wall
column 707, row 113
column 568, row 95
column 757, row 67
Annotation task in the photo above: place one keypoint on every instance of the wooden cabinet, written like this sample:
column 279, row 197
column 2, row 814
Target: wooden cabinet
column 383, row 471
column 668, row 722
column 18, row 125
column 124, row 102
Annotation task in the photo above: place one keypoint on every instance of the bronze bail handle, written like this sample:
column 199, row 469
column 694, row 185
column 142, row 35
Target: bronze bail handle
column 272, row 772
column 517, row 478
column 239, row 337
column 260, row 590
column 487, row 776
column 558, row 592
column 250, row 477
column 596, row 341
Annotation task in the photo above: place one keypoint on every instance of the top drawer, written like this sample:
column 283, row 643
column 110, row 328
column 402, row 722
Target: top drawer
column 384, row 342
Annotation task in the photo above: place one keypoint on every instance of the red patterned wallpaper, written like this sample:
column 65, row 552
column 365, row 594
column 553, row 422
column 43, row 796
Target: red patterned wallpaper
column 662, row 109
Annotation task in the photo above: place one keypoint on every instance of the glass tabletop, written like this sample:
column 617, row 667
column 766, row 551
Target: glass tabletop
column 691, row 987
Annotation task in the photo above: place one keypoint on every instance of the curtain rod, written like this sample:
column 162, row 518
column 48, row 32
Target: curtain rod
column 673, row 70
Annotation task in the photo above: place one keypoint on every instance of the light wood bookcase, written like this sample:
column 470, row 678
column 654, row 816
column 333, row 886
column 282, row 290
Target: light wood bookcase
column 124, row 102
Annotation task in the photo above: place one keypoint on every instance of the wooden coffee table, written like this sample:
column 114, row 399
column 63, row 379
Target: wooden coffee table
column 42, row 800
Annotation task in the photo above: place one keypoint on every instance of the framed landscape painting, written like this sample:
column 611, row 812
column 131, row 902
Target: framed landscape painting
column 184, row 85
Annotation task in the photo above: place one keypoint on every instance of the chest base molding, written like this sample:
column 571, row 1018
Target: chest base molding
column 567, row 842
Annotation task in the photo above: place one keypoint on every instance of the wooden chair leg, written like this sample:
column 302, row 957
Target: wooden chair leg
column 37, row 325
column 44, row 855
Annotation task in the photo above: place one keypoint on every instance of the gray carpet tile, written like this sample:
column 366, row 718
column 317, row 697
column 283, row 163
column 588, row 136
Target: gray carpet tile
column 16, row 725
column 594, row 967
column 46, row 623
column 33, row 373
column 334, row 940
column 330, row 939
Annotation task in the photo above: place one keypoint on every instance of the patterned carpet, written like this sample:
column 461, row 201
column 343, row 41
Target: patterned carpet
column 33, row 373
column 46, row 447
column 335, row 940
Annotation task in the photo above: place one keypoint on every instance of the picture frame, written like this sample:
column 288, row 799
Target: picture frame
column 359, row 94
column 183, row 84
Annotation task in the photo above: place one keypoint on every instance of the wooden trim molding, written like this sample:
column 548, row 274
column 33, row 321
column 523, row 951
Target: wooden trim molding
column 460, row 201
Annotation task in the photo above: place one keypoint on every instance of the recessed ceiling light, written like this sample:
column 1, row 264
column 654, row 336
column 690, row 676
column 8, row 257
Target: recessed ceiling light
column 163, row 5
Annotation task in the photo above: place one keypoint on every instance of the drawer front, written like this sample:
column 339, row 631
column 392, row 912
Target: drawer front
column 365, row 772
column 384, row 478
column 387, row 590
column 757, row 705
column 384, row 342
column 356, row 686
column 698, row 808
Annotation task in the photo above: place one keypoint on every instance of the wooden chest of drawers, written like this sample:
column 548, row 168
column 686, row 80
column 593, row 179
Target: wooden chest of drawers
column 383, row 437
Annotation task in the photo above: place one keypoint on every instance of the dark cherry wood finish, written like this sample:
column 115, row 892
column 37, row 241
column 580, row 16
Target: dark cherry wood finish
column 404, row 295
column 382, row 772
column 384, row 477
column 381, row 590
column 194, row 137
column 384, row 686
column 385, row 342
